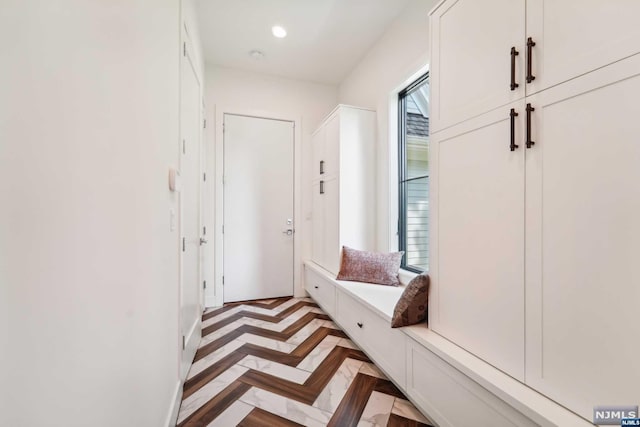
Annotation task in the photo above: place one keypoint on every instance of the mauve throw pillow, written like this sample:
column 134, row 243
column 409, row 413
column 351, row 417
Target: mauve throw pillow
column 370, row 267
column 412, row 305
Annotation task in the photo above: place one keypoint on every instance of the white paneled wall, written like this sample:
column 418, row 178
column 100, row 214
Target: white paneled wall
column 88, row 264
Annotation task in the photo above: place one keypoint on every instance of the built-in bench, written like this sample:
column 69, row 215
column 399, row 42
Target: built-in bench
column 450, row 385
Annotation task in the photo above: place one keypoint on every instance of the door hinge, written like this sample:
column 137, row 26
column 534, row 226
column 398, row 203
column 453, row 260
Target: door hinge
column 184, row 343
column 204, row 284
column 184, row 146
column 183, row 244
column 224, row 127
column 204, row 231
column 223, row 229
column 184, row 48
column 204, row 176
column 204, row 123
column 222, row 280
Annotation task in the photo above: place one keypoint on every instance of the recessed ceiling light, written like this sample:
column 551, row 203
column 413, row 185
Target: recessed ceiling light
column 279, row 31
column 256, row 54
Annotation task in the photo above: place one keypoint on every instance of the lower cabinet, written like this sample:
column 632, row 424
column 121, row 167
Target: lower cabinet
column 374, row 335
column 321, row 290
column 451, row 398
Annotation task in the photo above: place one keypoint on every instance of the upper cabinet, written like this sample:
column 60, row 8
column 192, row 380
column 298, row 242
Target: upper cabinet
column 487, row 54
column 477, row 58
column 574, row 37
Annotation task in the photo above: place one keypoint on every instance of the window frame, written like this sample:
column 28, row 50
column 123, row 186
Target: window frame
column 402, row 177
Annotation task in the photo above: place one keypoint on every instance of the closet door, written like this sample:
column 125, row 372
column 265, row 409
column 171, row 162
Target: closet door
column 583, row 240
column 318, row 153
column 471, row 58
column 332, row 145
column 331, row 231
column 573, row 37
column 477, row 242
column 317, row 223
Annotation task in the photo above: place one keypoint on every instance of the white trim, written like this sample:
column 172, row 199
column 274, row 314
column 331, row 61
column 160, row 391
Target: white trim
column 174, row 409
column 298, row 290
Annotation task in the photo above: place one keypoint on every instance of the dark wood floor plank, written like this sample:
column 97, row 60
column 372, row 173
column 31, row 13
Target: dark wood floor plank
column 353, row 403
column 214, row 407
column 295, row 307
column 198, row 381
column 260, row 418
column 215, row 312
column 280, row 386
column 387, row 387
column 269, row 354
column 398, row 421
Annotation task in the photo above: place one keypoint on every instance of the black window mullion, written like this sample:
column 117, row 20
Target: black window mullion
column 403, row 180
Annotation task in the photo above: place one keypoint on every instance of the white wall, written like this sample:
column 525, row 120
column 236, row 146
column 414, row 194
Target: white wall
column 400, row 56
column 88, row 129
column 311, row 102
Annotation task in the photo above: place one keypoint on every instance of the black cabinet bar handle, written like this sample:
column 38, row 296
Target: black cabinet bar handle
column 315, row 287
column 514, row 53
column 512, row 116
column 529, row 110
column 321, row 167
column 530, row 45
column 321, row 187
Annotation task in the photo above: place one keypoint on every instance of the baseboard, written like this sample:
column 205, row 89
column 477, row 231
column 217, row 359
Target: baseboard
column 172, row 417
column 192, row 342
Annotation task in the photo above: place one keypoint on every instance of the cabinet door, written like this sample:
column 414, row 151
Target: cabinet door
column 471, row 59
column 331, row 232
column 332, row 145
column 318, row 153
column 477, row 243
column 574, row 37
column 317, row 225
column 583, row 240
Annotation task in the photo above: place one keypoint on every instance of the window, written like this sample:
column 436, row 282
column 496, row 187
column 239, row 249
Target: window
column 413, row 168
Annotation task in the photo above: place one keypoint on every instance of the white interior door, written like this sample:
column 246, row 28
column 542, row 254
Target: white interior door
column 258, row 208
column 190, row 288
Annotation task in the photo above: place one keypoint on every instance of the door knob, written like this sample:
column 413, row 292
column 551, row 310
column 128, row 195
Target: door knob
column 288, row 231
column 202, row 241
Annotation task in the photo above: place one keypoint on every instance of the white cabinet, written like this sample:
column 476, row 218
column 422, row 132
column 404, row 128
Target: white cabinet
column 478, row 203
column 465, row 34
column 451, row 398
column 321, row 290
column 343, row 193
column 534, row 246
column 583, row 240
column 374, row 335
column 487, row 54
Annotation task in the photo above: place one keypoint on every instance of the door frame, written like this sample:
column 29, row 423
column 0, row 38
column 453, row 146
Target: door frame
column 216, row 300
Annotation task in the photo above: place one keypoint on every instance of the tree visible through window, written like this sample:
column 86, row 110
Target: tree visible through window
column 413, row 191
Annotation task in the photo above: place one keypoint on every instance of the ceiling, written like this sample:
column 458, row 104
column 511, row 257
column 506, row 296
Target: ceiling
column 326, row 38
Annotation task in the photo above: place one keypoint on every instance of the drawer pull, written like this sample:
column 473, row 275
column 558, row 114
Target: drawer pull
column 316, row 287
column 359, row 324
column 321, row 167
column 514, row 53
column 529, row 142
column 512, row 117
column 530, row 45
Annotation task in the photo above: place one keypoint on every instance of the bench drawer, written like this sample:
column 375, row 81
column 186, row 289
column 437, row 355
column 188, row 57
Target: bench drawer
column 322, row 291
column 386, row 346
column 450, row 397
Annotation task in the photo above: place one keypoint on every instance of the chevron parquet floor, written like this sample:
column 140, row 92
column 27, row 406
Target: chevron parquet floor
column 283, row 362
